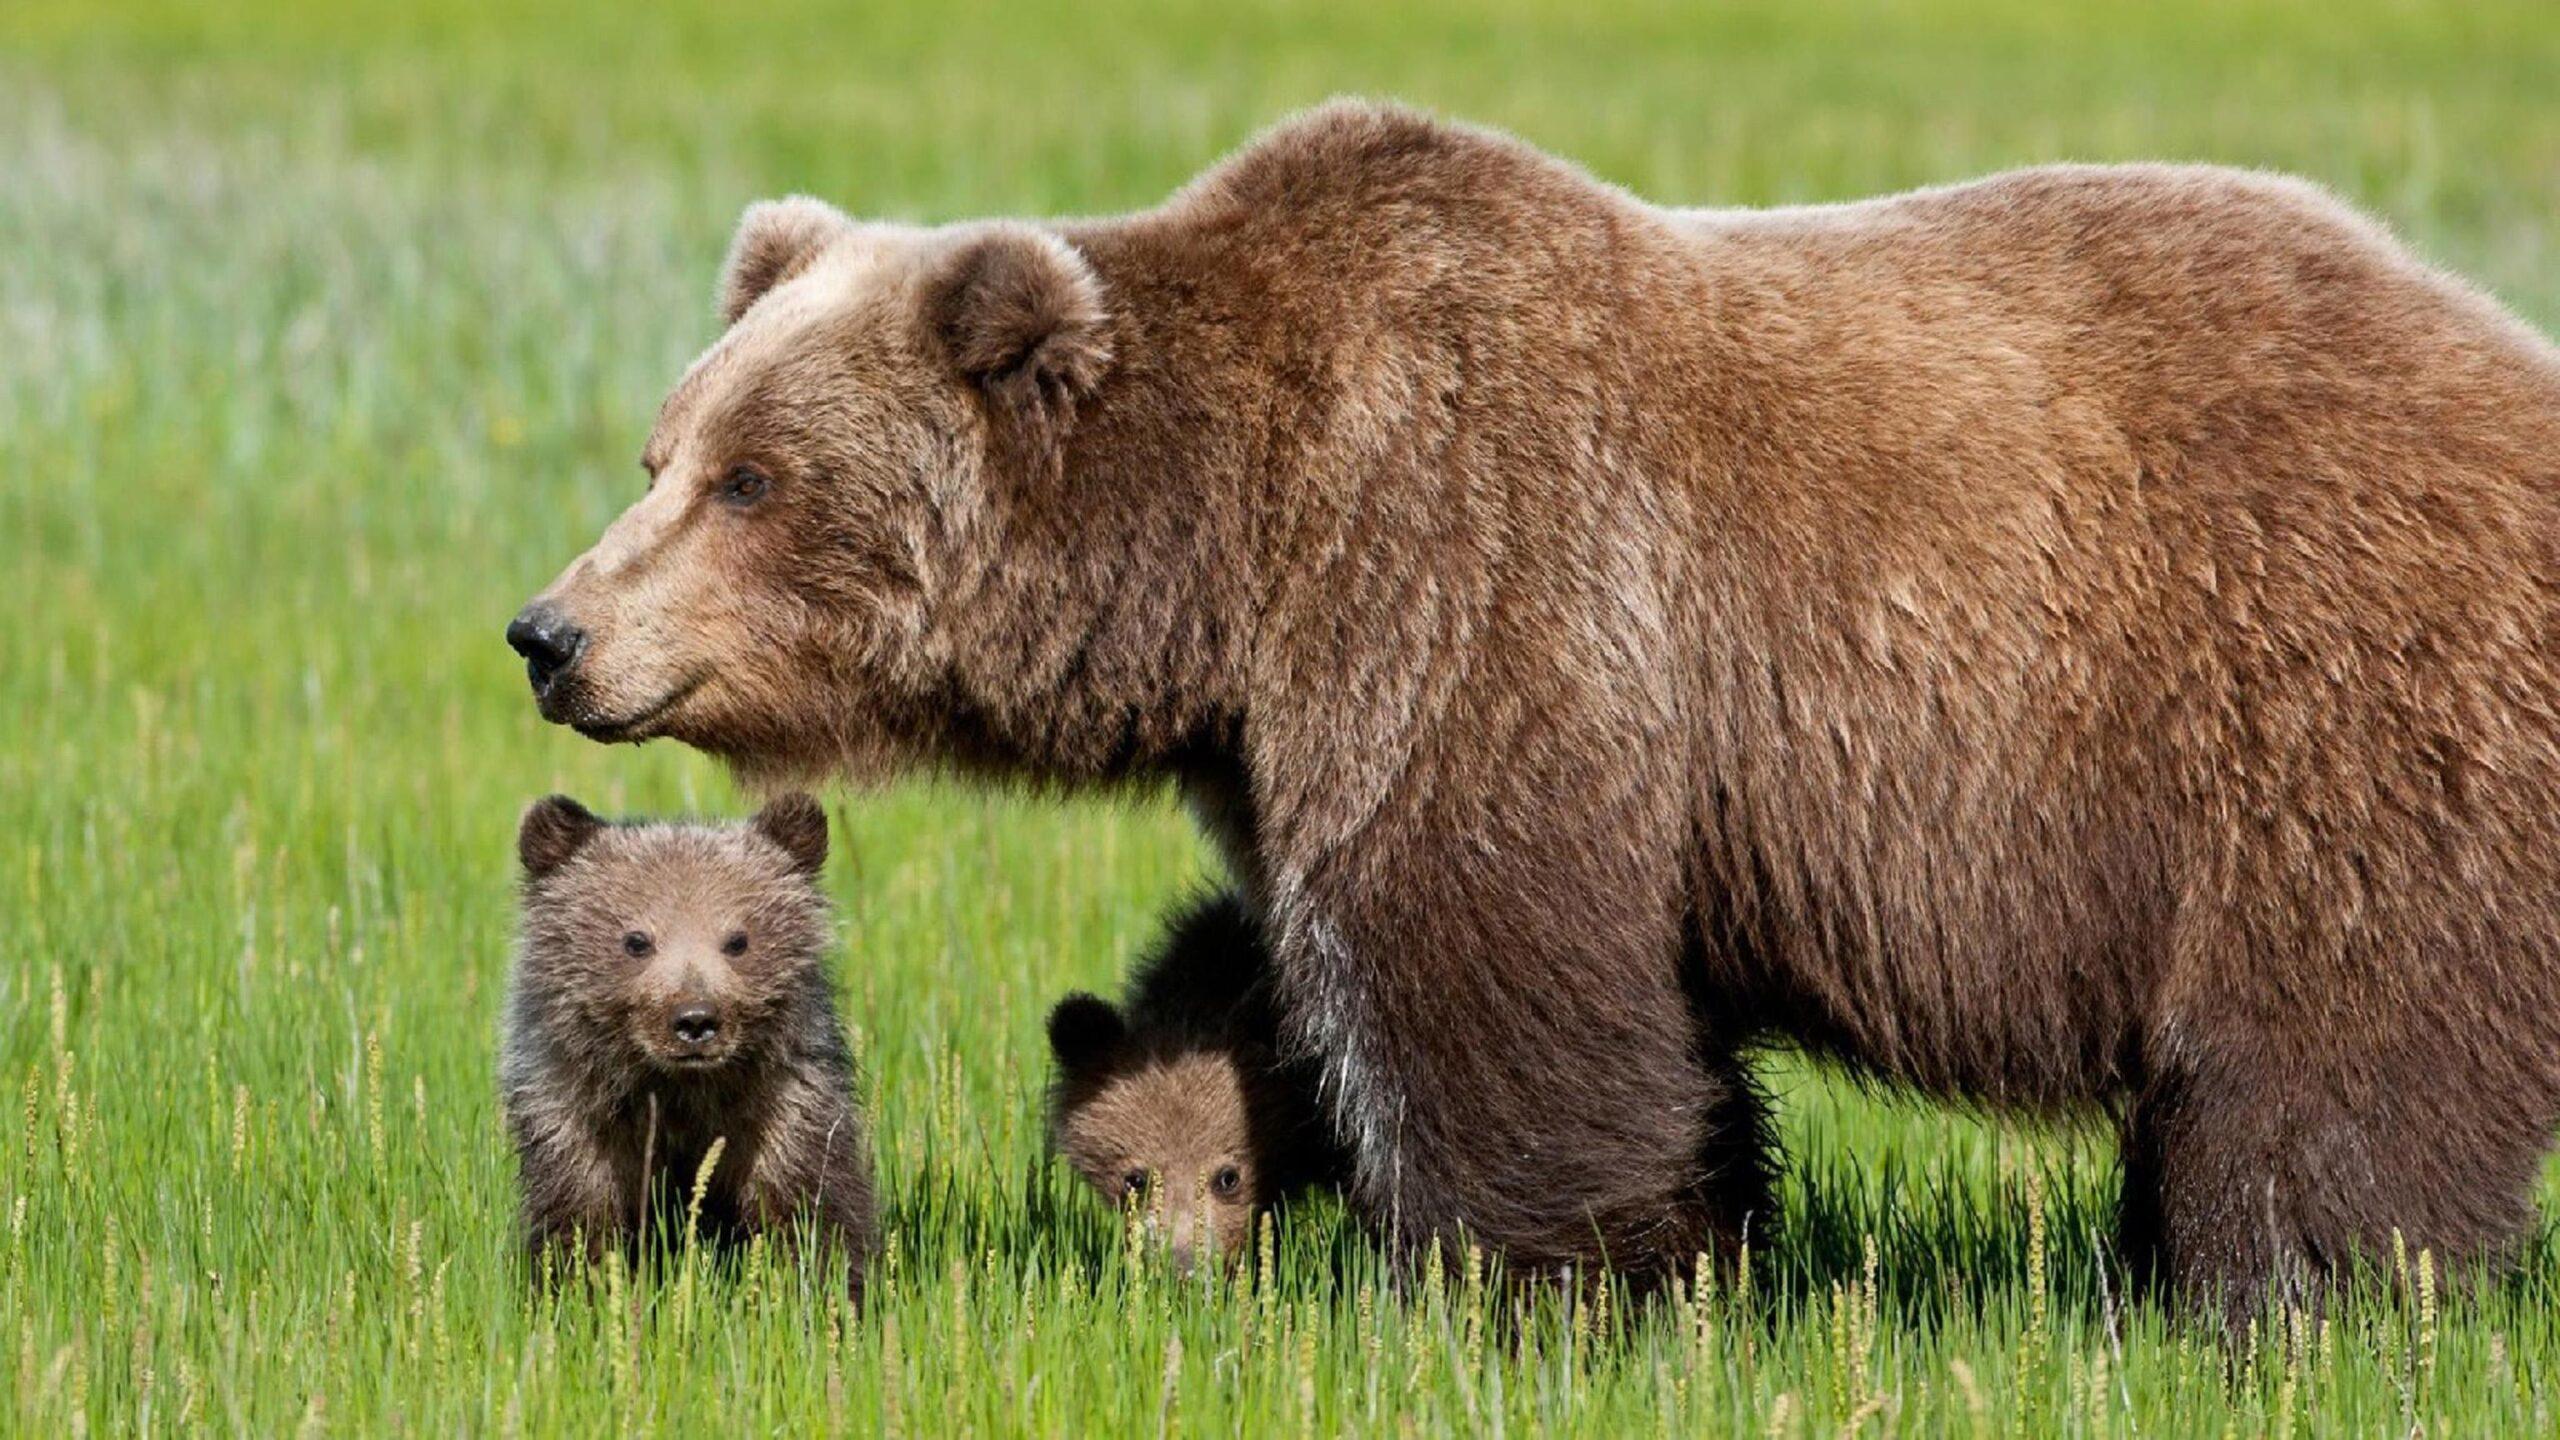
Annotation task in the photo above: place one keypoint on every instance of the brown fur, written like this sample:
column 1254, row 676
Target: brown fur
column 1180, row 1101
column 613, row 1112
column 2082, row 638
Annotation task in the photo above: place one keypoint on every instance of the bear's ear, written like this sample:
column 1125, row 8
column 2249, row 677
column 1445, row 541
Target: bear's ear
column 1021, row 315
column 553, row 829
column 797, row 824
column 1084, row 1031
column 776, row 240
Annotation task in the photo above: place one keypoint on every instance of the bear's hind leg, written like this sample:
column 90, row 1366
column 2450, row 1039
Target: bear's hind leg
column 2242, row 1193
column 2200, row 1223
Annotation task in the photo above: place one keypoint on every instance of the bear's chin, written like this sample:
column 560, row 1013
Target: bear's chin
column 631, row 723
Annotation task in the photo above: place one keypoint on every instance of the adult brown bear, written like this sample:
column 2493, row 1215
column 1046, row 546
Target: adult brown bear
column 2080, row 639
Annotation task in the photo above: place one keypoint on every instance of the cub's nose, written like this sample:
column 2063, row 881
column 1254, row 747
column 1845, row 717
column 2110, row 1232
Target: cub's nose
column 547, row 641
column 696, row 1024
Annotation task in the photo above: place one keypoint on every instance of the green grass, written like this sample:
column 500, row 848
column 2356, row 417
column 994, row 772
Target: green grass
column 324, row 339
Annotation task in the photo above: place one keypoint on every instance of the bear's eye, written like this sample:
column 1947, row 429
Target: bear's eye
column 1134, row 1183
column 735, row 945
column 634, row 943
column 1227, row 1182
column 744, row 486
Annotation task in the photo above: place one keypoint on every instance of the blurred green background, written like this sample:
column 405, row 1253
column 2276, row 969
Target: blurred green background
column 328, row 333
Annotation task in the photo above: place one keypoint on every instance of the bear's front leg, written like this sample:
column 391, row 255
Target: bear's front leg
column 814, row 1170
column 1507, row 1049
column 575, row 1201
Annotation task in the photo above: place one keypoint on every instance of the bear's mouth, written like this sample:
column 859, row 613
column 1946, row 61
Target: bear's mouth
column 691, row 1062
column 635, row 725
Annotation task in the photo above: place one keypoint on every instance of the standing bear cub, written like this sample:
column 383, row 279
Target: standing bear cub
column 670, row 995
column 2079, row 641
column 1179, row 1101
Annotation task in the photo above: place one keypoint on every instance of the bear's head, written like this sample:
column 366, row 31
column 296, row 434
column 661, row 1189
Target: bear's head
column 678, row 950
column 1176, row 1130
column 816, row 483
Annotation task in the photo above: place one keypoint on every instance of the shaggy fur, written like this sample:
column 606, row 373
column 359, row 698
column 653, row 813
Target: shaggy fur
column 1180, row 1100
column 670, row 992
column 2083, row 638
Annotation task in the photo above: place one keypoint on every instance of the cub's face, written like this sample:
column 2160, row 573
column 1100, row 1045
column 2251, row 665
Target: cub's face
column 1169, row 1135
column 672, row 947
column 811, row 485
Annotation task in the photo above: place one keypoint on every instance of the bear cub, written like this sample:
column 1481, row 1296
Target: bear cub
column 670, row 994
column 1180, row 1102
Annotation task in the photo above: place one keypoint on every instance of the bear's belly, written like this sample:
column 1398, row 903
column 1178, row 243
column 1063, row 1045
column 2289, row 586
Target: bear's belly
column 2037, row 1033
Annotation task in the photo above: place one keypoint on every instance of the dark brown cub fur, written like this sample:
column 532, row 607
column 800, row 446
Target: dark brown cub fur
column 1179, row 1100
column 669, row 994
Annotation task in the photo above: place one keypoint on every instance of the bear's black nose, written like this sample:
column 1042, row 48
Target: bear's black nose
column 547, row 641
column 696, row 1024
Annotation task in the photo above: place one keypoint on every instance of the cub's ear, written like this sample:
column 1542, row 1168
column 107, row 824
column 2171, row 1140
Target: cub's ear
column 776, row 240
column 1021, row 315
column 553, row 829
column 797, row 824
column 1084, row 1031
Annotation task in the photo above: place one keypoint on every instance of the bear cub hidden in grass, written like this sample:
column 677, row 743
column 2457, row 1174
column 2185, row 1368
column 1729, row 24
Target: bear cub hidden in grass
column 1178, row 1101
column 670, row 994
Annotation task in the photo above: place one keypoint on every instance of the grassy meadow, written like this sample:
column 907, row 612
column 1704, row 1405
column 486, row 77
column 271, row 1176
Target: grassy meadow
column 328, row 333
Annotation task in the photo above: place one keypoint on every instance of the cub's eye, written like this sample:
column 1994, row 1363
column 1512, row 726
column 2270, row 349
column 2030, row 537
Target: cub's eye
column 1226, row 1182
column 636, row 943
column 1134, row 1183
column 744, row 486
column 735, row 945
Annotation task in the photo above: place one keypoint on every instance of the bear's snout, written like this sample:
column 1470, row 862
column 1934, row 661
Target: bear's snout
column 549, row 642
column 695, row 1027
